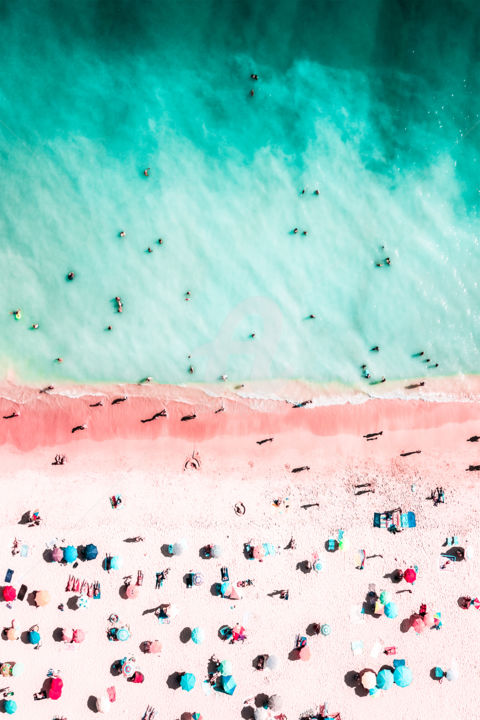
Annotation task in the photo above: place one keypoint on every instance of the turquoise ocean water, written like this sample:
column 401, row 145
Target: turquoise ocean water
column 375, row 104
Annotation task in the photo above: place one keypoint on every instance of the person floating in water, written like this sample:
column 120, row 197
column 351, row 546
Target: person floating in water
column 375, row 349
column 252, row 93
column 146, row 172
column 71, row 275
column 190, row 369
column 119, row 304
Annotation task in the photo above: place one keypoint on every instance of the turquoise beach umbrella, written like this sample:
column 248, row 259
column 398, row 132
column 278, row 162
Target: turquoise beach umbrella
column 228, row 684
column 391, row 610
column 18, row 669
column 385, row 597
column 70, row 554
column 10, row 706
column 198, row 635
column 224, row 588
column 115, row 562
column 187, row 681
column 225, row 667
column 402, row 676
column 123, row 634
column 91, row 552
column 34, row 637
column 385, row 679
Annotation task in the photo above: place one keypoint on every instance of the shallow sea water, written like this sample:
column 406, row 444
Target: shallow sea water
column 374, row 104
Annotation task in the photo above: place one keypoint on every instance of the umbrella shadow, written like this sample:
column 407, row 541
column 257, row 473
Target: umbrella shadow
column 25, row 519
column 72, row 603
column 115, row 669
column 25, row 637
column 31, row 598
column 81, row 553
column 247, row 551
column 393, row 577
column 311, row 631
column 173, row 681
column 304, row 566
column 351, row 678
column 57, row 634
column 405, row 625
column 92, row 703
column 293, row 654
column 47, row 556
column 261, row 700
column 215, row 589
column 122, row 591
column 185, row 635
column 248, row 713
column 204, row 554
column 143, row 647
column 165, row 551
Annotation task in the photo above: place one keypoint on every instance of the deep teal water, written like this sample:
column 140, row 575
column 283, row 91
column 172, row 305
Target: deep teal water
column 375, row 104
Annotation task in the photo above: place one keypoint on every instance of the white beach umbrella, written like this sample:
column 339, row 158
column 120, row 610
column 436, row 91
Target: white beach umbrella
column 103, row 704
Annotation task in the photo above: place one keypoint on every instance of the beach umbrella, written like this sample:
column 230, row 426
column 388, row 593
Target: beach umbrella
column 216, row 551
column 476, row 603
column 385, row 679
column 369, row 679
column 325, row 629
column 402, row 676
column 155, row 647
column 417, row 624
column 225, row 589
column 452, row 674
column 83, row 601
column 233, row 594
column 91, row 552
column 57, row 554
column 70, row 554
column 11, row 633
column 55, row 691
column 428, row 620
column 177, row 548
column 115, row 562
column 9, row 593
column 18, row 669
column 410, row 575
column 187, row 681
column 228, row 684
column 198, row 635
column 198, row 579
column 5, row 669
column 123, row 634
column 172, row 611
column 103, row 704
column 78, row 636
column 132, row 591
column 196, row 716
column 261, row 713
column 269, row 549
column 42, row 597
column 391, row 610
column 34, row 637
column 67, row 635
column 271, row 662
column 258, row 552
column 225, row 667
column 10, row 706
column 304, row 653
column 128, row 669
column 385, row 597
column 275, row 702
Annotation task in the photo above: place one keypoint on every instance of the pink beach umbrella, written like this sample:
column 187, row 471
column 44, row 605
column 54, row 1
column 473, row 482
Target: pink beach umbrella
column 304, row 653
column 258, row 552
column 132, row 591
column 155, row 646
column 57, row 554
column 428, row 620
column 78, row 636
column 417, row 624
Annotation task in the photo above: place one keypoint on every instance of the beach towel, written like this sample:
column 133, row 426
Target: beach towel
column 404, row 520
column 411, row 519
column 357, row 647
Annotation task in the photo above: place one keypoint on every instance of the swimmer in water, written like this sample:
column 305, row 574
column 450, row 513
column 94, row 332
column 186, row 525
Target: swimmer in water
column 35, row 326
column 253, row 76
column 17, row 314
column 190, row 369
column 160, row 241
column 295, row 231
column 312, row 316
column 223, row 377
column 59, row 360
column 119, row 304
column 109, row 327
column 316, row 192
column 304, row 232
column 387, row 260
column 375, row 349
column 146, row 171
column 252, row 93
column 122, row 233
column 71, row 275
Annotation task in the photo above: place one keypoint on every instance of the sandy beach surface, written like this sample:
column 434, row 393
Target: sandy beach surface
column 166, row 503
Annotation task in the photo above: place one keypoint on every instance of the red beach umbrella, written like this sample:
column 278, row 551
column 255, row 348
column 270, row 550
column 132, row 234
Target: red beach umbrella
column 417, row 624
column 132, row 591
column 476, row 603
column 56, row 686
column 9, row 593
column 410, row 575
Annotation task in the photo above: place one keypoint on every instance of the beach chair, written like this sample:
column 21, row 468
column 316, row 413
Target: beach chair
column 390, row 650
column 398, row 663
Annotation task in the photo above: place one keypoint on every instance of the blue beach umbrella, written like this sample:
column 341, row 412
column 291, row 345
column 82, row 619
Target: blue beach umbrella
column 402, row 676
column 198, row 635
column 391, row 610
column 385, row 679
column 91, row 552
column 70, row 554
column 10, row 706
column 123, row 634
column 187, row 681
column 228, row 684
column 34, row 637
column 115, row 562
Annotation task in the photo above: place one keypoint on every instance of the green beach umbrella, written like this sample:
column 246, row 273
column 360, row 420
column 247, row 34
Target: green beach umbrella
column 385, row 679
column 10, row 706
column 70, row 554
column 228, row 684
column 385, row 597
column 187, row 681
column 225, row 667
column 402, row 676
column 198, row 635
